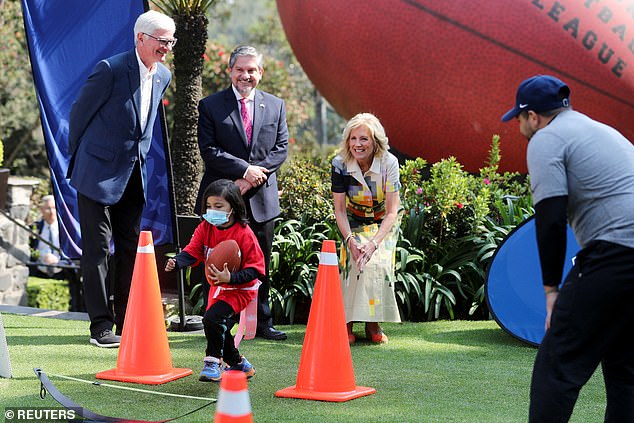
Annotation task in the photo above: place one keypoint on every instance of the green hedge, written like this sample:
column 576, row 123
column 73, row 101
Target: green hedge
column 50, row 294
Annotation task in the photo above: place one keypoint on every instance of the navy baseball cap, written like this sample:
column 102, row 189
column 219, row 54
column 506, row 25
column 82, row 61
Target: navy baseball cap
column 540, row 93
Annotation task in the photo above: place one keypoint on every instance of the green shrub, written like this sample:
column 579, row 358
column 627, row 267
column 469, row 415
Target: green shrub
column 304, row 181
column 434, row 251
column 294, row 263
column 452, row 225
column 307, row 219
column 48, row 294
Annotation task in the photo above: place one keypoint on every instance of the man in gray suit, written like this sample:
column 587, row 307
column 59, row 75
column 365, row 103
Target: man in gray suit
column 110, row 132
column 242, row 135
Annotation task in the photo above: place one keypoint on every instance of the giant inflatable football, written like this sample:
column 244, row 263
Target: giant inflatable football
column 440, row 73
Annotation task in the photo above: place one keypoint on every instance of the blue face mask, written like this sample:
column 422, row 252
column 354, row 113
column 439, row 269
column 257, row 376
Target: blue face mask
column 217, row 217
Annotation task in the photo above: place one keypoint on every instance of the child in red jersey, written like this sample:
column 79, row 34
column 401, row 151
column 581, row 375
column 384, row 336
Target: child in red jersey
column 225, row 217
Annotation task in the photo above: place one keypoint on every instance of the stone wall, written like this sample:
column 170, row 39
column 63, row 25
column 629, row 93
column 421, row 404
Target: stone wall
column 14, row 242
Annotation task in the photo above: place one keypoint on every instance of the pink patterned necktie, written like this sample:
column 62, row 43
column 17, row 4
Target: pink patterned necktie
column 246, row 120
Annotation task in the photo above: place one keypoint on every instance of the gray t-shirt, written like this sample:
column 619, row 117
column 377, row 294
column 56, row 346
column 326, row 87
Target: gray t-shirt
column 591, row 163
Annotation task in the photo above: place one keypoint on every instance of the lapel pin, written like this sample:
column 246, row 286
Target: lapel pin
column 262, row 105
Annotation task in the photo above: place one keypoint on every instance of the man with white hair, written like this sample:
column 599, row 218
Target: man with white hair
column 110, row 133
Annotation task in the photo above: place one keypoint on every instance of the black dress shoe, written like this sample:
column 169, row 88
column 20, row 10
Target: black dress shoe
column 270, row 333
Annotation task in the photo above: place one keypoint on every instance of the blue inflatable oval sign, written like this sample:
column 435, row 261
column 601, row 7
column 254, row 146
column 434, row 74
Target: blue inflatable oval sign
column 513, row 283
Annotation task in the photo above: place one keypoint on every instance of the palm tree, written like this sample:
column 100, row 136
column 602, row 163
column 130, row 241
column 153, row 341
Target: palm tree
column 191, row 31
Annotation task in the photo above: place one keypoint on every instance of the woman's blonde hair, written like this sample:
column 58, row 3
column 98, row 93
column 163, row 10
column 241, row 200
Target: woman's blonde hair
column 376, row 131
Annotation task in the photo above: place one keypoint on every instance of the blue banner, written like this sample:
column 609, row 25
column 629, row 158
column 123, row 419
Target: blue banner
column 66, row 40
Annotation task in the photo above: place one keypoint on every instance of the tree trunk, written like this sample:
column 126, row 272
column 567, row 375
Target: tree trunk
column 191, row 32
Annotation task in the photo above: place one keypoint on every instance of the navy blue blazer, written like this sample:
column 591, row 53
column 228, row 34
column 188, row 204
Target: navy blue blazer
column 226, row 153
column 105, row 139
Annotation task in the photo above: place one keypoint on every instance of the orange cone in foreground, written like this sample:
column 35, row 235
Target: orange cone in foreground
column 144, row 354
column 325, row 367
column 233, row 404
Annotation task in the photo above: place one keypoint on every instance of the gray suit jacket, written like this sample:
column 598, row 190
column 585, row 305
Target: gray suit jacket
column 226, row 153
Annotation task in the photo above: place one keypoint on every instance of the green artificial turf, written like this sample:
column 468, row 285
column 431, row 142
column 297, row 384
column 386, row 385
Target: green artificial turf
column 429, row 372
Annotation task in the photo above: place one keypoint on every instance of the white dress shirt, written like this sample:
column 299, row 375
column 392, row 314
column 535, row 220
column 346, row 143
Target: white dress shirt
column 51, row 234
column 146, row 78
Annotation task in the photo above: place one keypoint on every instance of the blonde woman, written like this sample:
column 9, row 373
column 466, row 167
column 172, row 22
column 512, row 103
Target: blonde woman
column 365, row 188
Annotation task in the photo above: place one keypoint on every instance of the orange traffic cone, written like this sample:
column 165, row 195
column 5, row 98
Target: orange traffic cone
column 325, row 367
column 233, row 405
column 144, row 354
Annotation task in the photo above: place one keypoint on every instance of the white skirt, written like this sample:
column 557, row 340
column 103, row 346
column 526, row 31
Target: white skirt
column 368, row 296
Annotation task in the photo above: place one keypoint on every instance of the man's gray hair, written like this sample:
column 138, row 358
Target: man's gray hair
column 46, row 198
column 245, row 51
column 152, row 20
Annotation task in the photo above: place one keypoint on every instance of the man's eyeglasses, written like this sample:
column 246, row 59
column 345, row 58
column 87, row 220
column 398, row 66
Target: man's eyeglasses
column 163, row 41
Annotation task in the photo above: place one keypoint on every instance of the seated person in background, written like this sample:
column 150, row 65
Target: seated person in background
column 41, row 252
